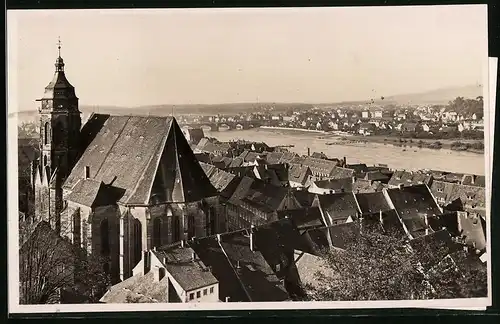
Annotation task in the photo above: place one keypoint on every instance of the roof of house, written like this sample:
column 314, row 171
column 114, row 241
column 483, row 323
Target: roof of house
column 363, row 186
column 341, row 173
column 358, row 168
column 264, row 196
column 304, row 197
column 189, row 273
column 472, row 196
column 274, row 157
column 342, row 235
column 413, row 200
column 254, row 272
column 85, row 192
column 322, row 166
column 277, row 240
column 318, row 239
column 339, row 205
column 344, row 184
column 127, row 150
column 304, row 217
column 407, row 178
column 319, row 155
column 376, row 176
column 298, row 173
column 211, row 253
column 474, row 180
column 372, row 202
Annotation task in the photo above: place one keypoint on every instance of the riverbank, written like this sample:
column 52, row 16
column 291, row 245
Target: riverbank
column 448, row 144
column 352, row 139
column 271, row 128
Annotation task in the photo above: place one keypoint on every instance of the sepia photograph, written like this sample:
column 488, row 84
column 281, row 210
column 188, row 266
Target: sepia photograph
column 266, row 158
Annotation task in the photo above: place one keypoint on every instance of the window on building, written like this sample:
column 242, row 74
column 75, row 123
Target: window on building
column 46, row 133
column 157, row 232
column 198, row 294
column 191, row 296
column 205, row 292
column 105, row 249
column 211, row 290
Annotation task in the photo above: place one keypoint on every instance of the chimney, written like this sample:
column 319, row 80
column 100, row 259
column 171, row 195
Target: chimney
column 308, row 151
column 193, row 256
column 87, row 172
column 227, row 299
column 183, row 244
column 238, row 266
column 345, row 161
column 146, row 262
column 353, row 179
column 252, row 238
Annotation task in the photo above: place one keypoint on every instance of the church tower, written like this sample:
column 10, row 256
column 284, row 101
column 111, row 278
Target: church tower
column 60, row 123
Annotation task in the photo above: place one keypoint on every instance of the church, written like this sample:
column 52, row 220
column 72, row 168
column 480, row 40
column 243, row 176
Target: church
column 118, row 185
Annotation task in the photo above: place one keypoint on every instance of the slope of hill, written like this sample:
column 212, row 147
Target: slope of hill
column 438, row 96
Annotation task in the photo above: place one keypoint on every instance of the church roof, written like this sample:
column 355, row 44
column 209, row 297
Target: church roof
column 125, row 151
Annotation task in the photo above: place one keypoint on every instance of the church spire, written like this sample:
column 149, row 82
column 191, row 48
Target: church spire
column 59, row 61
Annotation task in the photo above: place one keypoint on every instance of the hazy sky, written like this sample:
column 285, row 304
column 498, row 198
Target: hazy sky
column 147, row 57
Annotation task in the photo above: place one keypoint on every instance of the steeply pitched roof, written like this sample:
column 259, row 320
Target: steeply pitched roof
column 254, row 272
column 304, row 197
column 190, row 273
column 407, row 178
column 318, row 240
column 298, row 173
column 85, row 192
column 339, row 206
column 472, row 197
column 276, row 241
column 341, row 173
column 343, row 234
column 126, row 152
column 411, row 200
column 304, row 217
column 365, row 186
column 372, row 202
column 344, row 184
column 211, row 253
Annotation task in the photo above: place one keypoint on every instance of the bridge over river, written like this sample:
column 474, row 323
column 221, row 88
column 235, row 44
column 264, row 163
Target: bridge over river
column 223, row 126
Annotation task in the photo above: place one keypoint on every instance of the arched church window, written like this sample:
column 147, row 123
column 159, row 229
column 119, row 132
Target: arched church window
column 105, row 238
column 46, row 133
column 137, row 241
column 157, row 232
column 76, row 227
column 176, row 230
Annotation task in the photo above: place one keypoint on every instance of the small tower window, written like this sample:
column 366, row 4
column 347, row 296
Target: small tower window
column 46, row 133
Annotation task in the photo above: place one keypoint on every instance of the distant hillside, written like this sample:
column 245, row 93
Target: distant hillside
column 434, row 97
column 438, row 96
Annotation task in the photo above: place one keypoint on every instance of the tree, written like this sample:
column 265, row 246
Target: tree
column 50, row 265
column 372, row 267
column 377, row 266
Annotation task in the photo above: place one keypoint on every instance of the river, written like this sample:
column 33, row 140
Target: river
column 370, row 153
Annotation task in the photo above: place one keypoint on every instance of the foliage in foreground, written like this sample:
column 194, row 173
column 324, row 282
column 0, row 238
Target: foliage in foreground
column 380, row 267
